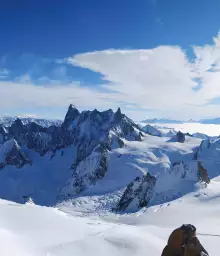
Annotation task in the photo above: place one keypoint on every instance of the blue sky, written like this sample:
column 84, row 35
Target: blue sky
column 153, row 58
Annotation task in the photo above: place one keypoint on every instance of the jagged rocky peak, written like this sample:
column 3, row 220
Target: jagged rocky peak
column 101, row 117
column 118, row 115
column 12, row 154
column 108, row 113
column 94, row 113
column 17, row 127
column 137, row 194
column 71, row 115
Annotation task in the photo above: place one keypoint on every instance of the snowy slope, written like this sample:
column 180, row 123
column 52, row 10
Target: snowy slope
column 155, row 155
column 30, row 230
column 40, row 231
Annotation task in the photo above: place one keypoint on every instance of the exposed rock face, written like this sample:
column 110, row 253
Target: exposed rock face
column 71, row 115
column 179, row 137
column 17, row 128
column 40, row 142
column 84, row 176
column 137, row 194
column 192, row 170
column 3, row 134
column 12, row 154
column 185, row 170
column 34, row 127
column 203, row 173
column 118, row 116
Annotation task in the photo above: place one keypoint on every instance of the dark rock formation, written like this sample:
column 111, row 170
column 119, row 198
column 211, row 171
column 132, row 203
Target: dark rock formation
column 137, row 194
column 13, row 155
column 203, row 173
column 3, row 134
column 85, row 177
column 179, row 137
column 71, row 115
column 17, row 128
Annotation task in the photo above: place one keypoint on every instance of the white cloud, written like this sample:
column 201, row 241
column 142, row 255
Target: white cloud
column 16, row 95
column 160, row 81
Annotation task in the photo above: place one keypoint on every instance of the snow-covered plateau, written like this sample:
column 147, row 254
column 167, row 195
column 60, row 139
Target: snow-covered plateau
column 100, row 184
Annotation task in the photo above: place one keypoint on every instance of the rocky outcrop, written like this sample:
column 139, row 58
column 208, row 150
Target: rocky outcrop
column 118, row 116
column 203, row 173
column 40, row 142
column 17, row 128
column 192, row 170
column 87, row 172
column 124, row 127
column 71, row 115
column 33, row 127
column 137, row 194
column 12, row 154
column 3, row 134
column 179, row 137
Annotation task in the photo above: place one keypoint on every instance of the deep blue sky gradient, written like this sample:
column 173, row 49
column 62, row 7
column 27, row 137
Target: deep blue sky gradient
column 56, row 29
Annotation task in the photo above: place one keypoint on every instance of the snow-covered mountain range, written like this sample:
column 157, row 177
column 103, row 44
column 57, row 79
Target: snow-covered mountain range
column 102, row 157
column 92, row 168
column 174, row 121
column 7, row 121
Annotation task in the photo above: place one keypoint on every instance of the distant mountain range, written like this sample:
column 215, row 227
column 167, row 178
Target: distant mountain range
column 7, row 121
column 162, row 121
column 172, row 121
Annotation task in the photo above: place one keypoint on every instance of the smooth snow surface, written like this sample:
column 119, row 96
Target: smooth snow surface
column 41, row 231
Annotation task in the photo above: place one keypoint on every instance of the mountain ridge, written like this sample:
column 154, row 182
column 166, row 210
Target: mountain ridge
column 97, row 155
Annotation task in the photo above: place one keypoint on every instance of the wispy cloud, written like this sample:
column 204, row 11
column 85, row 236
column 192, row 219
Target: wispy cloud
column 162, row 78
column 158, row 82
